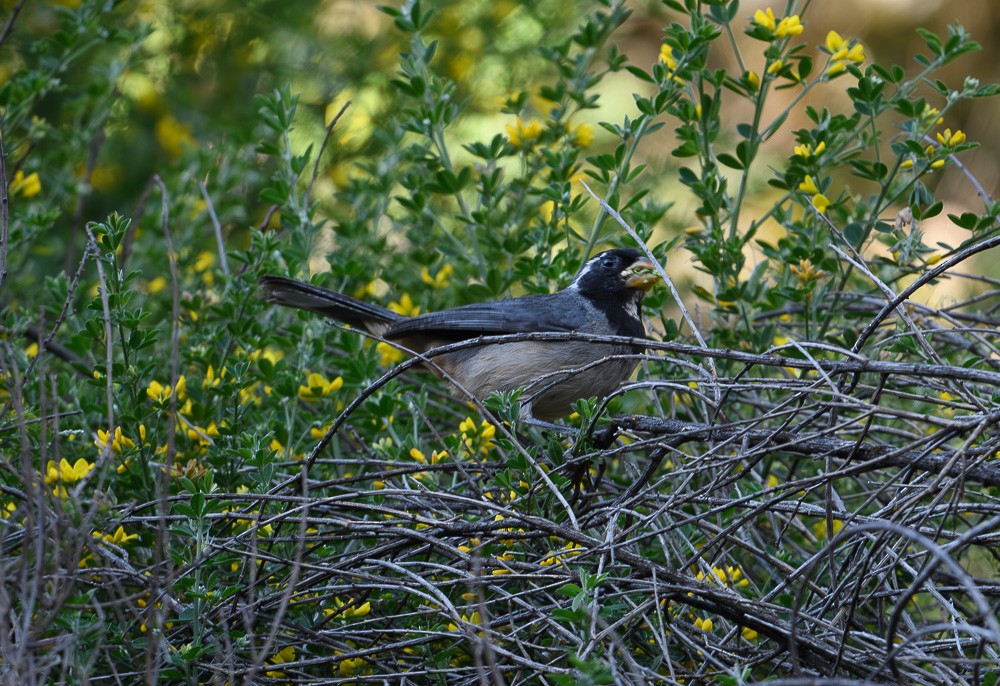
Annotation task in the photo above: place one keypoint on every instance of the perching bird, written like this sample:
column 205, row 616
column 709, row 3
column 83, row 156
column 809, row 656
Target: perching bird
column 604, row 299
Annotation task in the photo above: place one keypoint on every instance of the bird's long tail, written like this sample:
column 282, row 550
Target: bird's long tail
column 304, row 296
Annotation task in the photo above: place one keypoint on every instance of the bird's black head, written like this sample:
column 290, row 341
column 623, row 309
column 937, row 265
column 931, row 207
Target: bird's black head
column 615, row 275
column 615, row 281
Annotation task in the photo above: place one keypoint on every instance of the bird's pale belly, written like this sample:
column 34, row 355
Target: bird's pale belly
column 580, row 370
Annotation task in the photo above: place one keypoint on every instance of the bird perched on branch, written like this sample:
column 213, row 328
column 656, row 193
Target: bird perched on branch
column 604, row 299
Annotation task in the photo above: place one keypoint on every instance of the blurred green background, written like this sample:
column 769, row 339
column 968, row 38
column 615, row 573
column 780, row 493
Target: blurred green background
column 189, row 85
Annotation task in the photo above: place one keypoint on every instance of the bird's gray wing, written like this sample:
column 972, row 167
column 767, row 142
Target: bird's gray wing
column 531, row 314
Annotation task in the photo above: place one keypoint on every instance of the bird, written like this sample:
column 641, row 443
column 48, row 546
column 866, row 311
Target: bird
column 604, row 299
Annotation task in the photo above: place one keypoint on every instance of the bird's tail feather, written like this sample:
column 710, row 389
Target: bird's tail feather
column 304, row 296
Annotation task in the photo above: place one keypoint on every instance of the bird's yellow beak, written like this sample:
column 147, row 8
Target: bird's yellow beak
column 641, row 274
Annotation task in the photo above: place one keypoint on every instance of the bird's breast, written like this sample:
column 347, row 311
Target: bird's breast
column 554, row 374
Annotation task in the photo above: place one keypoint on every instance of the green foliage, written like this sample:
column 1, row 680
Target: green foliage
column 238, row 493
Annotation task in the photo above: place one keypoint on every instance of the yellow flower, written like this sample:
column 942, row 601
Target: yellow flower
column 820, row 202
column 949, row 139
column 389, row 355
column 748, row 633
column 25, row 186
column 286, row 654
column 806, row 271
column 160, row 394
column 156, row 285
column 765, row 18
column 405, row 305
column 834, row 42
column 836, row 68
column 204, row 261
column 774, row 68
column 703, row 624
column 753, row 80
column 203, row 436
column 481, row 436
column 272, row 355
column 667, row 56
column 7, row 510
column 841, row 49
column 317, row 432
column 118, row 440
column 436, row 456
column 819, row 528
column 66, row 473
column 856, row 53
column 119, row 537
column 931, row 116
column 351, row 666
column 789, row 26
column 349, row 610
column 806, row 150
column 583, row 135
column 522, row 135
column 31, row 350
column 439, row 280
column 172, row 135
column 211, row 380
column 808, row 185
column 318, row 387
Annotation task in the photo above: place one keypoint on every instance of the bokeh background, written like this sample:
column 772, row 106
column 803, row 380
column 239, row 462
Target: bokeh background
column 202, row 63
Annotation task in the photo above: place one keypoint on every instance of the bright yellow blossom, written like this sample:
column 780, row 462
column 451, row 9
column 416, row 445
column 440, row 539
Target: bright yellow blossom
column 583, row 135
column 949, row 139
column 753, row 80
column 523, row 135
column 405, row 306
column 318, row 387
column 172, row 135
column 765, row 18
column 160, row 394
column 789, row 26
column 820, row 202
column 349, row 610
column 156, row 285
column 774, row 68
column 351, row 666
column 667, row 56
column 25, row 186
column 211, row 380
column 836, row 68
column 65, row 473
column 119, row 441
column 819, row 528
column 481, row 436
column 841, row 49
column 119, row 537
column 286, row 654
column 806, row 150
column 317, row 432
column 808, row 185
column 439, row 280
column 389, row 355
column 703, row 624
column 203, row 435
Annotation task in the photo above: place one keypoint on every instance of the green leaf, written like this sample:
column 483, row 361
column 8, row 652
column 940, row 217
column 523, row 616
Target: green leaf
column 727, row 160
column 967, row 220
